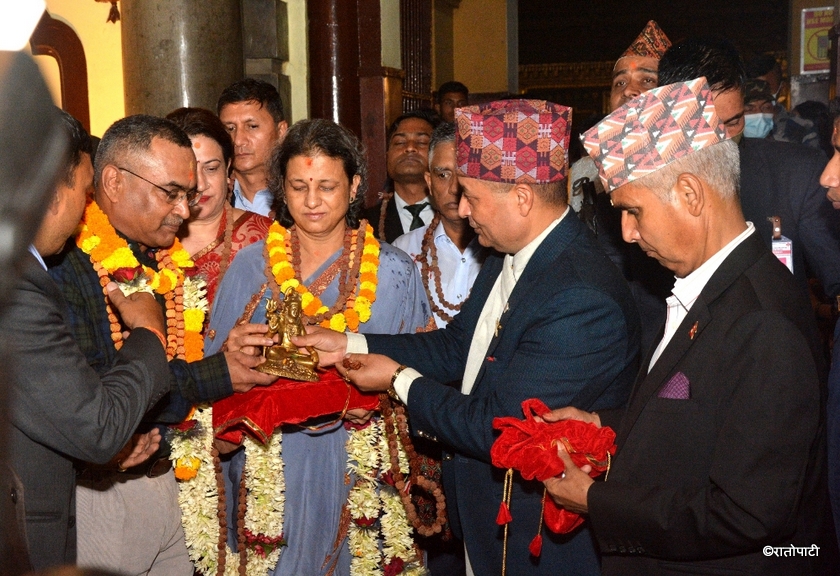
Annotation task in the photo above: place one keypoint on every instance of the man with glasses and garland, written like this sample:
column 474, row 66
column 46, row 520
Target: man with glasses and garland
column 129, row 520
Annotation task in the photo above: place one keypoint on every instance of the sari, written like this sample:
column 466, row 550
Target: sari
column 315, row 458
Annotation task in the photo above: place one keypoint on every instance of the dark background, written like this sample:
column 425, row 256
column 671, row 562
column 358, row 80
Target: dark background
column 562, row 31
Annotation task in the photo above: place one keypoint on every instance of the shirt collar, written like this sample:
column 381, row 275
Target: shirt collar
column 35, row 253
column 400, row 203
column 687, row 290
column 520, row 260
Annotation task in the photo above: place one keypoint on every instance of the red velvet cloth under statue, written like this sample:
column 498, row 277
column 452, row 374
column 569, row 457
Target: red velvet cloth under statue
column 530, row 447
column 263, row 408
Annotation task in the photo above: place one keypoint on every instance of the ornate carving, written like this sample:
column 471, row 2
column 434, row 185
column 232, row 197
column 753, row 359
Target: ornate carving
column 566, row 75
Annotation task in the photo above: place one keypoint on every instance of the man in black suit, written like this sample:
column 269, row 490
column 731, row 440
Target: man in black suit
column 406, row 207
column 61, row 409
column 719, row 466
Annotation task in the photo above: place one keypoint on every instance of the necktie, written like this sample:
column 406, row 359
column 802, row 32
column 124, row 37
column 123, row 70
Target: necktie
column 488, row 325
column 414, row 210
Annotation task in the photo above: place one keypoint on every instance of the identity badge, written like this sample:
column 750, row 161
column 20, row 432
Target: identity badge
column 783, row 249
column 782, row 245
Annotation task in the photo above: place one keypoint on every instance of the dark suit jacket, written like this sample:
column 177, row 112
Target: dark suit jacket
column 700, row 486
column 61, row 409
column 393, row 224
column 783, row 179
column 570, row 336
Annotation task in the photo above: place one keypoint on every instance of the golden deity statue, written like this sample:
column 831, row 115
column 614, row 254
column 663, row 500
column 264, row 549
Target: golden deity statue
column 284, row 359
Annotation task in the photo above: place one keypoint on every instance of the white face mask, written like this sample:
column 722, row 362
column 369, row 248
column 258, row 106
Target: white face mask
column 757, row 125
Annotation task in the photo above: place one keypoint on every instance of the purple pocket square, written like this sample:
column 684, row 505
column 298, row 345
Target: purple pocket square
column 677, row 388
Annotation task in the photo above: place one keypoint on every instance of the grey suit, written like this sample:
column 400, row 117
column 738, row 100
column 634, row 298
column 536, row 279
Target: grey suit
column 62, row 410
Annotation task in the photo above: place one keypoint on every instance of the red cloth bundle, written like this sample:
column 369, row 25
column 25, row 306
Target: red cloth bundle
column 263, row 408
column 530, row 447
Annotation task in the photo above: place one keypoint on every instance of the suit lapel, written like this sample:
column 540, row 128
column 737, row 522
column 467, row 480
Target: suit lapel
column 528, row 285
column 744, row 256
column 393, row 224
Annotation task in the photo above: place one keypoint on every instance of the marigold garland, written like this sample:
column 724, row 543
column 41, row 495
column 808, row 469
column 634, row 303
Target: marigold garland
column 357, row 309
column 113, row 259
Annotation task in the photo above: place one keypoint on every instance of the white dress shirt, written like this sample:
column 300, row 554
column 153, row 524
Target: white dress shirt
column 263, row 200
column 37, row 255
column 426, row 214
column 485, row 328
column 457, row 270
column 687, row 290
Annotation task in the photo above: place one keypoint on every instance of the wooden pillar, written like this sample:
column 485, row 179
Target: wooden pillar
column 380, row 91
column 334, row 62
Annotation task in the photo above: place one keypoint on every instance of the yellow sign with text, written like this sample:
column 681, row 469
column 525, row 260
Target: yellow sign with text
column 816, row 24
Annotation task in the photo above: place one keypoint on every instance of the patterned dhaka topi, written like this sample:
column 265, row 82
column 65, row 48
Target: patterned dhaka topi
column 514, row 141
column 651, row 43
column 652, row 130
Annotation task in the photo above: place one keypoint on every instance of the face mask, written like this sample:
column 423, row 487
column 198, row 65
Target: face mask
column 757, row 125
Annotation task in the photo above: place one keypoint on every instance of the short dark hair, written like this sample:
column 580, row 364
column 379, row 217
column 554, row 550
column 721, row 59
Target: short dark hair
column 309, row 138
column 450, row 87
column 202, row 122
column 761, row 65
column 715, row 58
column 253, row 90
column 79, row 143
column 426, row 114
column 444, row 132
column 134, row 134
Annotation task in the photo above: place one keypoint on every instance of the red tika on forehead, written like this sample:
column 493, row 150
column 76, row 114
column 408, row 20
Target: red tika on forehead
column 652, row 130
column 651, row 43
column 514, row 141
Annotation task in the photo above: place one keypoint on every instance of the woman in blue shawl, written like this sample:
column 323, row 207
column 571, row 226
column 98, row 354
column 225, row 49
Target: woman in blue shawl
column 318, row 178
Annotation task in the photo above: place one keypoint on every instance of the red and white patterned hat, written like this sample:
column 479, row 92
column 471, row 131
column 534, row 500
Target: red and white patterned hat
column 514, row 141
column 651, row 43
column 652, row 130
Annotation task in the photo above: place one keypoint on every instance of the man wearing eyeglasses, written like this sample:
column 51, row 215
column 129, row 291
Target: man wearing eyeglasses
column 145, row 181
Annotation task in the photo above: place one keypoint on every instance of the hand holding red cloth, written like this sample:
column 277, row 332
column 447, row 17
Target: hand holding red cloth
column 530, row 447
column 263, row 408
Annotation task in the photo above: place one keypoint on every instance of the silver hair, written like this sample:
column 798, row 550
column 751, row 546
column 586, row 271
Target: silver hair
column 718, row 165
column 445, row 132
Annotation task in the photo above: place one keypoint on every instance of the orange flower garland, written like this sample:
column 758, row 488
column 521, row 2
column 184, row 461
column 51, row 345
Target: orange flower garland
column 186, row 305
column 358, row 308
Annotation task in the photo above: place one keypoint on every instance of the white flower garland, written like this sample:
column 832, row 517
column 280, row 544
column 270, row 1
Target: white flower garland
column 199, row 497
column 375, row 507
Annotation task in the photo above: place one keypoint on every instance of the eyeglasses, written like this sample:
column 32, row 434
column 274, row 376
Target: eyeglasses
column 172, row 196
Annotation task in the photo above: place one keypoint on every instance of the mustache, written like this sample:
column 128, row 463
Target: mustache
column 173, row 220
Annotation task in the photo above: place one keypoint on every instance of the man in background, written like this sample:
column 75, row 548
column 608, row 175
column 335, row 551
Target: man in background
column 451, row 95
column 635, row 72
column 406, row 206
column 446, row 250
column 779, row 180
column 252, row 112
